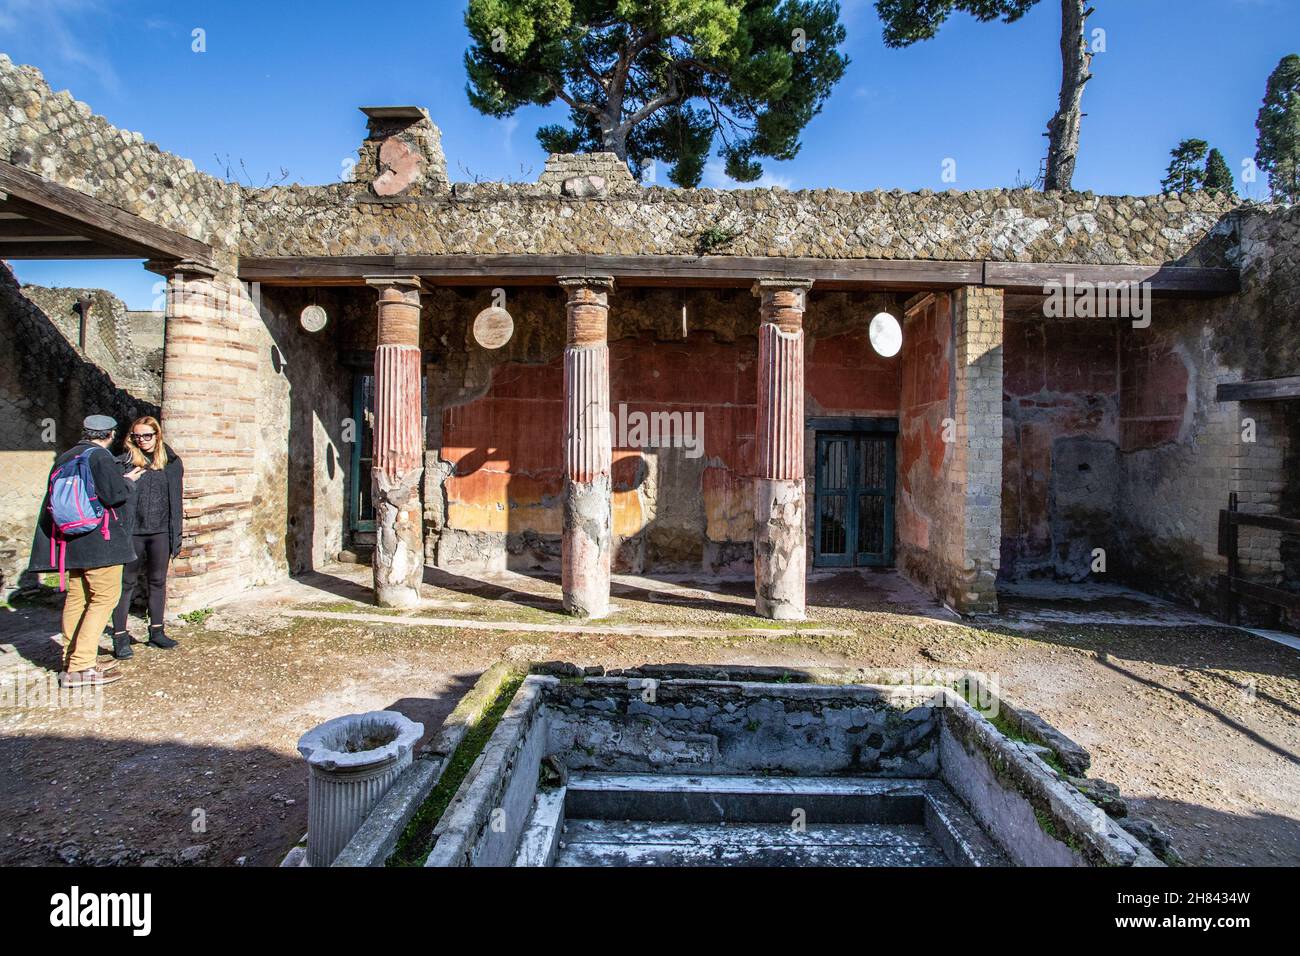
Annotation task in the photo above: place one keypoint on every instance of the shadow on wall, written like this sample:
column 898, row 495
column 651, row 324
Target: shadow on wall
column 46, row 388
column 303, row 401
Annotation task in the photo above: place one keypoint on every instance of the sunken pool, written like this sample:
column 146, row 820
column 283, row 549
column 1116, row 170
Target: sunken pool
column 668, row 770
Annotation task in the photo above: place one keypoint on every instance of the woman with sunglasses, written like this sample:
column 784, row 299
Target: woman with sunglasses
column 157, row 529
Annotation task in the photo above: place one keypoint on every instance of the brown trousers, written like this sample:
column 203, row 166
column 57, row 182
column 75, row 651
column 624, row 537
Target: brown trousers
column 92, row 595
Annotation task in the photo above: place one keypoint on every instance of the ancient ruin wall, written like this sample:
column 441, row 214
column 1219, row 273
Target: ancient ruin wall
column 494, row 218
column 60, row 139
column 1173, row 490
column 46, row 385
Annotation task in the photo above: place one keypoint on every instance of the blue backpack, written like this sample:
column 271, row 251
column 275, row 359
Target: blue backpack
column 74, row 507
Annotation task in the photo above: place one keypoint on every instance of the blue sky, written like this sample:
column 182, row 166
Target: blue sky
column 279, row 85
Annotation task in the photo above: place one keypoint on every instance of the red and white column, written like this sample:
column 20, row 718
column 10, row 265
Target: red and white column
column 588, row 515
column 779, row 467
column 398, row 444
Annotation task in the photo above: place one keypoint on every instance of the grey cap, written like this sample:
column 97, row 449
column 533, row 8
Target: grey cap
column 99, row 423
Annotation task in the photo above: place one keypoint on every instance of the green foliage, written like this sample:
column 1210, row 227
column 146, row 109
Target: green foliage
column 714, row 238
column 197, row 617
column 910, row 21
column 1218, row 177
column 660, row 81
column 416, row 841
column 1194, row 166
column 1186, row 172
column 1277, row 149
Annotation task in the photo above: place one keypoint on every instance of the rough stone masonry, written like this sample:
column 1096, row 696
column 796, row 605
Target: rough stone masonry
column 1039, row 408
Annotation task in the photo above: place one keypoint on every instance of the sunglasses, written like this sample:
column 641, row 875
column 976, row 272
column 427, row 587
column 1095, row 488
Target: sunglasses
column 141, row 436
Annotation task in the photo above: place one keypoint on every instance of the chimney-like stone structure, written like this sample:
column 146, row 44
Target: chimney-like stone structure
column 402, row 153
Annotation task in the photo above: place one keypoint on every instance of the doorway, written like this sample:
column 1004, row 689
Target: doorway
column 854, row 494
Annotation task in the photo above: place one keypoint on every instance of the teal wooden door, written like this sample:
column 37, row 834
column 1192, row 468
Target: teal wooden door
column 854, row 496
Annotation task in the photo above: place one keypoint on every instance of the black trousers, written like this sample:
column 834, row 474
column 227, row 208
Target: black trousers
column 155, row 551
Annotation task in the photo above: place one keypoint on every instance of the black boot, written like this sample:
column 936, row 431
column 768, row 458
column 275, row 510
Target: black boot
column 158, row 638
column 122, row 646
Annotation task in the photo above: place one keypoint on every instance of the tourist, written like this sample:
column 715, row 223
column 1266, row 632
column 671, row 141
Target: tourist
column 88, row 553
column 155, row 518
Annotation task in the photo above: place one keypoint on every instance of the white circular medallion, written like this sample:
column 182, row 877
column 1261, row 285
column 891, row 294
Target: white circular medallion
column 493, row 327
column 886, row 335
column 313, row 318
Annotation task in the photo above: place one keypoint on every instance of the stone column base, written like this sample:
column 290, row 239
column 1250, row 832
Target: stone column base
column 399, row 539
column 587, row 544
column 779, row 548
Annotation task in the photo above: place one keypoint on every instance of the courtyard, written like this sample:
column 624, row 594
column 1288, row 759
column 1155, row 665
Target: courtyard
column 192, row 760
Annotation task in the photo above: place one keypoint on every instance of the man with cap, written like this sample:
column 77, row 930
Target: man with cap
column 93, row 560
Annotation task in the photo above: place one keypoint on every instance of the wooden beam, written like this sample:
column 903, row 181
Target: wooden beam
column 706, row 271
column 1034, row 276
column 726, row 271
column 1261, row 390
column 63, row 208
column 31, row 229
column 72, row 249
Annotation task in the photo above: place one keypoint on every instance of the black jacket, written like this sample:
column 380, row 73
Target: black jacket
column 175, row 472
column 90, row 550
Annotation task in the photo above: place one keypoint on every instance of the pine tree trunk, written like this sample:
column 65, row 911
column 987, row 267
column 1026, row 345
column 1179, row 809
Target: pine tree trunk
column 615, row 141
column 1063, row 130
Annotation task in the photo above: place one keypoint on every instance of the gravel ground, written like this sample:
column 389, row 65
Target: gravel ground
column 191, row 759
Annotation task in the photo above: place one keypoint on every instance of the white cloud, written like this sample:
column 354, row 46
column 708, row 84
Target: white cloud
column 715, row 177
column 51, row 21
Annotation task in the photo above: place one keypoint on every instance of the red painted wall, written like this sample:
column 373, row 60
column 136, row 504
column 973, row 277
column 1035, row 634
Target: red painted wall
column 506, row 446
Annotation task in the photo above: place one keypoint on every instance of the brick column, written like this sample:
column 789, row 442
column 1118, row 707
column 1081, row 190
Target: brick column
column 208, row 417
column 588, row 519
column 779, row 547
column 399, row 444
column 977, row 459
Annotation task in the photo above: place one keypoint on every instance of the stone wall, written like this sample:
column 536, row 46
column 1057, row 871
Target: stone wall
column 496, row 218
column 1115, row 438
column 113, row 335
column 950, row 447
column 1173, row 491
column 47, row 386
column 61, row 140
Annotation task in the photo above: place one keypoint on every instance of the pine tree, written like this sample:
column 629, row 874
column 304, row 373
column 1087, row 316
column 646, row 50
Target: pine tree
column 661, row 80
column 909, row 21
column 1185, row 173
column 1218, row 177
column 1277, row 150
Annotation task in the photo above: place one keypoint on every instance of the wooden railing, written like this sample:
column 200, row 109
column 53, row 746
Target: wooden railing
column 1232, row 586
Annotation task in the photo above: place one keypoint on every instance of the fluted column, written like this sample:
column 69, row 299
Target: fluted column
column 588, row 518
column 779, row 465
column 398, row 444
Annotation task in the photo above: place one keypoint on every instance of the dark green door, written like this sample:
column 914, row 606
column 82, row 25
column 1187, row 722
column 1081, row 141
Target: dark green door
column 854, row 500
column 361, row 510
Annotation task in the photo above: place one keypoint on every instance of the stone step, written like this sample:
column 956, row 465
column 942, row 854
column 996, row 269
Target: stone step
column 618, row 843
column 728, row 799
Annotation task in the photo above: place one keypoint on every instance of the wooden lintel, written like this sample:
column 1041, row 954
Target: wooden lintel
column 31, row 229
column 1041, row 276
column 1260, row 390
column 70, row 249
column 67, row 209
column 725, row 272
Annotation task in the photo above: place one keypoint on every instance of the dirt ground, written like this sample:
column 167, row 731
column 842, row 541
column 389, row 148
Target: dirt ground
column 191, row 759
